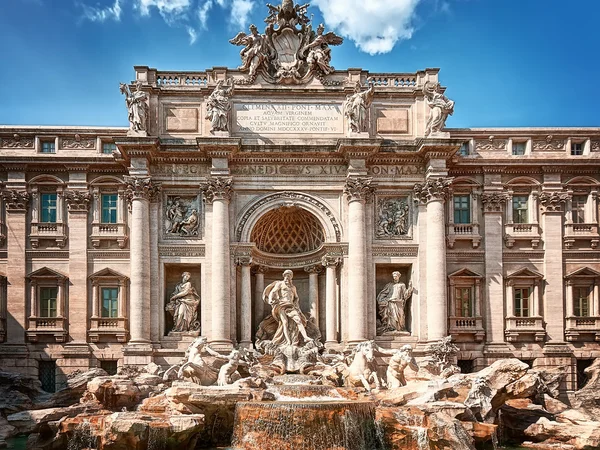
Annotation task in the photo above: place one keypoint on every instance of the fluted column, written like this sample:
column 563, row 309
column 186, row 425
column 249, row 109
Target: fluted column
column 313, row 291
column 246, row 303
column 217, row 192
column 358, row 191
column 139, row 192
column 259, row 287
column 433, row 193
column 330, row 264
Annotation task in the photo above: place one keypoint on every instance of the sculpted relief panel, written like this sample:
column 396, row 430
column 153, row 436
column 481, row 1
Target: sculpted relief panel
column 181, row 119
column 182, row 216
column 392, row 218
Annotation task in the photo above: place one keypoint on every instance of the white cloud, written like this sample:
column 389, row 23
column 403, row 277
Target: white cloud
column 240, row 12
column 374, row 25
column 170, row 10
column 203, row 11
column 97, row 14
column 193, row 34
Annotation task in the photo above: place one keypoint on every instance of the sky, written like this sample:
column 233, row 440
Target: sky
column 506, row 63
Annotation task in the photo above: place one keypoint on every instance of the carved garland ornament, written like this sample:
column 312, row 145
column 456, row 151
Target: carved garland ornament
column 436, row 189
column 141, row 188
column 491, row 144
column 218, row 188
column 77, row 200
column 549, row 144
column 17, row 142
column 78, row 143
column 493, row 201
column 15, row 200
column 552, row 201
column 359, row 188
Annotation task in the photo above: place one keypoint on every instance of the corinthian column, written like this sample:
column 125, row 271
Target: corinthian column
column 358, row 191
column 139, row 193
column 433, row 193
column 330, row 263
column 217, row 192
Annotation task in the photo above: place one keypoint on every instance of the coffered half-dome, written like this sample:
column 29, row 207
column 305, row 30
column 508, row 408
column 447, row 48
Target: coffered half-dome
column 288, row 230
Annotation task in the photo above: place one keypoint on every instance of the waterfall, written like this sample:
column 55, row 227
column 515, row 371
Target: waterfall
column 83, row 437
column 157, row 438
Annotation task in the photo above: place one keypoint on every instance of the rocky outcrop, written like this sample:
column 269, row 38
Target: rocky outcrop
column 27, row 422
column 18, row 393
column 120, row 391
column 584, row 435
column 76, row 385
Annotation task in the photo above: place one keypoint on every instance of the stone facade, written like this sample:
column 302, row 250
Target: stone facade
column 496, row 229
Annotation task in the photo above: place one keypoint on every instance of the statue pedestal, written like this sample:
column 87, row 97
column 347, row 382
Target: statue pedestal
column 361, row 135
column 396, row 339
column 221, row 134
column 439, row 135
column 179, row 339
column 132, row 133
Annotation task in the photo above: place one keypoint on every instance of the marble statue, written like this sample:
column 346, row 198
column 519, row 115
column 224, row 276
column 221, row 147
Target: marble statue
column 356, row 108
column 393, row 218
column 218, row 106
column 287, row 14
column 181, row 217
column 193, row 367
column 137, row 107
column 319, row 53
column 441, row 358
column 362, row 371
column 228, row 373
column 183, row 305
column 441, row 107
column 399, row 361
column 254, row 53
column 391, row 303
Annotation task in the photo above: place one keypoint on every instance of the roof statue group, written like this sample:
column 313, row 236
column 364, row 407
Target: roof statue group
column 289, row 52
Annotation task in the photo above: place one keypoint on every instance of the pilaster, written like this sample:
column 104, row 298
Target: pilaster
column 245, row 262
column 331, row 314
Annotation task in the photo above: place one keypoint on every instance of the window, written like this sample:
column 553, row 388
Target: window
column 581, row 301
column 48, row 207
column 464, row 303
column 576, row 149
column 522, row 302
column 47, row 375
column 578, row 208
column 518, row 148
column 110, row 302
column 110, row 366
column 108, row 148
column 520, row 209
column 48, row 147
column 464, row 149
column 48, row 296
column 109, row 208
column 466, row 365
column 462, row 209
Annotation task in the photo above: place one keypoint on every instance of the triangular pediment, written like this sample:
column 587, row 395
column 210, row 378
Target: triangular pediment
column 45, row 272
column 107, row 273
column 525, row 273
column 583, row 272
column 465, row 273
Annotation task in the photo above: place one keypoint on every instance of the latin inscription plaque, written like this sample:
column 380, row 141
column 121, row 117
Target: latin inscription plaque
column 288, row 118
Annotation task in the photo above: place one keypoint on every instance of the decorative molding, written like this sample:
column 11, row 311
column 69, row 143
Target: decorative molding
column 77, row 201
column 549, row 144
column 552, row 201
column 78, row 143
column 359, row 189
column 476, row 257
column 217, row 188
column 316, row 268
column 108, row 254
column 141, row 188
column 595, row 146
column 523, row 255
column 434, row 189
column 17, row 142
column 331, row 260
column 491, row 144
column 493, row 201
column 51, row 254
column 15, row 200
column 182, row 216
column 182, row 250
column 407, row 251
column 242, row 260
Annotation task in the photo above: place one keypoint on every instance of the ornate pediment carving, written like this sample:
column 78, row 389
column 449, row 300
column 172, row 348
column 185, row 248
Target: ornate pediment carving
column 290, row 51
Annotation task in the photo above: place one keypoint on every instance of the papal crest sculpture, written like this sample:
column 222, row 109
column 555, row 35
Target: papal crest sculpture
column 290, row 51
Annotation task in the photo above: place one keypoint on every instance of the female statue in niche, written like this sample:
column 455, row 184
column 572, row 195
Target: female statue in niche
column 391, row 302
column 183, row 305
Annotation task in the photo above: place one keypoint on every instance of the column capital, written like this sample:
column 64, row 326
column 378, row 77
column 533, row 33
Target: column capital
column 331, row 261
column 316, row 269
column 141, row 188
column 359, row 189
column 434, row 189
column 217, row 188
column 493, row 202
column 77, row 201
column 553, row 201
column 243, row 260
column 15, row 200
column 258, row 269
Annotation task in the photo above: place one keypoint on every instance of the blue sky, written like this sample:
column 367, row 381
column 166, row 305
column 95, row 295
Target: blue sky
column 504, row 62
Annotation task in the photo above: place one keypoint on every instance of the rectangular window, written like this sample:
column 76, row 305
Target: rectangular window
column 108, row 148
column 464, row 304
column 522, row 302
column 109, row 208
column 518, row 148
column 464, row 149
column 48, row 147
column 581, row 301
column 110, row 366
column 462, row 209
column 520, row 209
column 48, row 207
column 47, row 375
column 578, row 208
column 48, row 296
column 110, row 302
column 576, row 149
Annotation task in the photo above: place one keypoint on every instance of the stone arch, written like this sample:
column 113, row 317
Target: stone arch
column 253, row 212
column 582, row 181
column 105, row 180
column 523, row 180
column 46, row 179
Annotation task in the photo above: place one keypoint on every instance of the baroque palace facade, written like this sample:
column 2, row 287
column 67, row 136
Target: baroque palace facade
column 341, row 176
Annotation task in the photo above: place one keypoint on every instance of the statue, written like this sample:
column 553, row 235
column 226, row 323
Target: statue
column 181, row 217
column 393, row 218
column 254, row 53
column 189, row 226
column 287, row 14
column 356, row 108
column 440, row 106
column 440, row 361
column 319, row 53
column 193, row 366
column 402, row 359
column 183, row 305
column 137, row 107
column 391, row 302
column 228, row 373
column 218, row 107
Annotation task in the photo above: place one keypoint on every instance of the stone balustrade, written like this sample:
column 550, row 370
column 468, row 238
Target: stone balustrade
column 519, row 327
column 108, row 327
column 108, row 232
column 522, row 231
column 48, row 230
column 466, row 326
column 46, row 326
column 578, row 328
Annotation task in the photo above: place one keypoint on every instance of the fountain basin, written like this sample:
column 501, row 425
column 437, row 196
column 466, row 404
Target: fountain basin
column 322, row 425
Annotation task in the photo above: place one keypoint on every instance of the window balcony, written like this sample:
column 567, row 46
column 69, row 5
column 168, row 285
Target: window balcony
column 522, row 232
column 108, row 328
column 582, row 328
column 525, row 328
column 52, row 231
column 467, row 326
column 47, row 326
column 581, row 231
column 108, row 232
column 463, row 231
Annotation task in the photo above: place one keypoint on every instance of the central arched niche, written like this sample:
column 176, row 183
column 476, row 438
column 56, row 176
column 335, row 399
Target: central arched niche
column 288, row 230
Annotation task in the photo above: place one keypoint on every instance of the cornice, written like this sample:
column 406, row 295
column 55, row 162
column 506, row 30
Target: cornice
column 407, row 251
